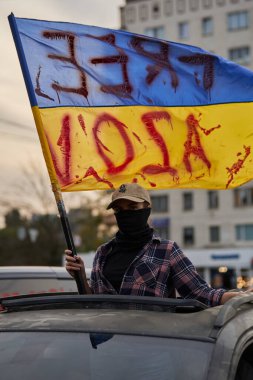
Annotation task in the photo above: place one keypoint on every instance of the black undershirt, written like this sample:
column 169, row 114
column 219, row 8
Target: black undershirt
column 123, row 253
column 116, row 265
column 124, row 250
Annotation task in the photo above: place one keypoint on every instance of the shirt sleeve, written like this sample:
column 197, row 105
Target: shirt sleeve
column 188, row 282
column 94, row 271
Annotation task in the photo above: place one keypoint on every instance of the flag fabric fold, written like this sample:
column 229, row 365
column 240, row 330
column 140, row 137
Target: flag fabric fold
column 111, row 107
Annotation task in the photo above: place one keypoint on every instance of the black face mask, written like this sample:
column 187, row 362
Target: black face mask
column 132, row 221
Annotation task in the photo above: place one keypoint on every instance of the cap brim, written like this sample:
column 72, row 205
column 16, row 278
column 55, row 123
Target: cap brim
column 134, row 199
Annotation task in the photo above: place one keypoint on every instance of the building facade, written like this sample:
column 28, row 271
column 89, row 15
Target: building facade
column 203, row 221
column 223, row 27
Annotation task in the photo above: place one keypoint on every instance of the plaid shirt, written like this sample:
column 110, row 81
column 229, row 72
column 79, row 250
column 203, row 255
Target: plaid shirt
column 158, row 267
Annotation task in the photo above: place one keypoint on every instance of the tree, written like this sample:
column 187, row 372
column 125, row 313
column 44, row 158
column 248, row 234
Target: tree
column 35, row 241
column 88, row 222
column 13, row 218
column 39, row 239
column 33, row 233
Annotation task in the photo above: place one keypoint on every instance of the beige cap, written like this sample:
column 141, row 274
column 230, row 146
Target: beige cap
column 131, row 191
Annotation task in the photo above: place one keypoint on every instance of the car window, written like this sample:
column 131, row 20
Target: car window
column 43, row 355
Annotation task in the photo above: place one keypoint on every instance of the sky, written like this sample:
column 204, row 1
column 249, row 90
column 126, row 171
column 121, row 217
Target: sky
column 19, row 144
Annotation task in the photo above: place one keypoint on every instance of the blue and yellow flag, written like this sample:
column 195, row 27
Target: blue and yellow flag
column 113, row 107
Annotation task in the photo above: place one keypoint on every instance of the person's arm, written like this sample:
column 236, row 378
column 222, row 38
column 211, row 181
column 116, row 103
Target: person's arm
column 76, row 264
column 190, row 284
column 228, row 295
column 187, row 280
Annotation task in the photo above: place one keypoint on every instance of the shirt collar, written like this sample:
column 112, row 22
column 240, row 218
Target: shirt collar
column 156, row 237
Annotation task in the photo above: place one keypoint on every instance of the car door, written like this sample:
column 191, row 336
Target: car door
column 232, row 357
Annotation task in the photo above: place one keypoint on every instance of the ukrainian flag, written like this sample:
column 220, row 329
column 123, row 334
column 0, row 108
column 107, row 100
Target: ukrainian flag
column 113, row 107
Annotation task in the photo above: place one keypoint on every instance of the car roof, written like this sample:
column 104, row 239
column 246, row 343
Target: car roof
column 18, row 272
column 72, row 316
column 118, row 314
column 108, row 321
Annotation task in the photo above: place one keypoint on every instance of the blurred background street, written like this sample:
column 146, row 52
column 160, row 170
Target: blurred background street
column 215, row 228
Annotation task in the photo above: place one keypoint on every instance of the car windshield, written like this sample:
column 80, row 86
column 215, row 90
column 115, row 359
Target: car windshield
column 43, row 355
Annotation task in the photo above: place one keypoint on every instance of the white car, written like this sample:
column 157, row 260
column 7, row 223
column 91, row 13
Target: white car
column 17, row 280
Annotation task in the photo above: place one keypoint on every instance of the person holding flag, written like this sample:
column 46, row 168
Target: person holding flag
column 110, row 104
column 138, row 262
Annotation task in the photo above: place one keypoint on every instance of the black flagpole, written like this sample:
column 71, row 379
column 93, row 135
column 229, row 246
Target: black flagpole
column 68, row 236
